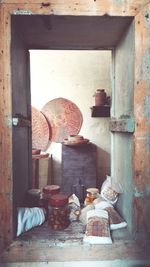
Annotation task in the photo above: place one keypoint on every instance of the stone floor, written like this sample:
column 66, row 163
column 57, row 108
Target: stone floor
column 44, row 252
column 73, row 234
column 44, row 245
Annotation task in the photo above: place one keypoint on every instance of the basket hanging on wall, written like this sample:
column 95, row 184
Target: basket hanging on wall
column 64, row 117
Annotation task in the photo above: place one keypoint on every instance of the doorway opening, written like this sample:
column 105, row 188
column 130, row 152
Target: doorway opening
column 73, row 75
column 75, row 33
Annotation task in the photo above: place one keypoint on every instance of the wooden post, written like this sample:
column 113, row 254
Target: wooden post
column 6, row 182
column 141, row 181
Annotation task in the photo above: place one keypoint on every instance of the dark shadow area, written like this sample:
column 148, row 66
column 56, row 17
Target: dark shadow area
column 103, row 157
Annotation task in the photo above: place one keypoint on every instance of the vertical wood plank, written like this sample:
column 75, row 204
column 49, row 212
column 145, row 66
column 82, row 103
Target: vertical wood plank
column 5, row 132
column 141, row 202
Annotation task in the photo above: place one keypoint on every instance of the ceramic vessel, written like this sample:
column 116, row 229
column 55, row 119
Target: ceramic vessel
column 100, row 97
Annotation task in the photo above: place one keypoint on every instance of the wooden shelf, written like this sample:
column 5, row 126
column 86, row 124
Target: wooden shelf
column 40, row 156
column 100, row 111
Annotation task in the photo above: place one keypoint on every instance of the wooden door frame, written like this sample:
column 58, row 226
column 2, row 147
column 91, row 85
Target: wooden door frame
column 141, row 158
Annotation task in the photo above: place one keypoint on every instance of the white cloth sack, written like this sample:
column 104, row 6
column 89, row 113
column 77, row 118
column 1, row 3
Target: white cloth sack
column 74, row 199
column 29, row 218
column 115, row 220
column 83, row 213
column 97, row 228
column 107, row 192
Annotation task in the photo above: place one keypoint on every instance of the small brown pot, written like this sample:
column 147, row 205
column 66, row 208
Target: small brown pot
column 100, row 97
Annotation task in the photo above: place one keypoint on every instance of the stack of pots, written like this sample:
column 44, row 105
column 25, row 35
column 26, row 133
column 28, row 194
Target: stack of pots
column 59, row 211
column 48, row 191
column 57, row 207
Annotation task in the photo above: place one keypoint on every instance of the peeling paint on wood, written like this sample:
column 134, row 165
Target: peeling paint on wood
column 138, row 193
column 147, row 106
column 146, row 74
column 142, row 193
column 72, row 7
column 147, row 17
column 21, row 12
column 148, row 143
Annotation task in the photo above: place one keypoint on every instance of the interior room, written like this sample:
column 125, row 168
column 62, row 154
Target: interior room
column 77, row 79
column 74, row 75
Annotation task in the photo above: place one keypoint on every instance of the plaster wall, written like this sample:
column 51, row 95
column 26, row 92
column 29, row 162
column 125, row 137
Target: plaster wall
column 74, row 75
column 122, row 143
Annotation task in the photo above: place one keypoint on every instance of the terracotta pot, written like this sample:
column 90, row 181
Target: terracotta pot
column 51, row 189
column 100, row 97
column 58, row 200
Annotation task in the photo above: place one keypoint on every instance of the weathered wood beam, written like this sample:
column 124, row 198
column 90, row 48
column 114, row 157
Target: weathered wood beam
column 5, row 132
column 141, row 183
column 77, row 8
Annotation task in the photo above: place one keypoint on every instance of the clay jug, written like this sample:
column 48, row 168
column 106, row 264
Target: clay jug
column 100, row 97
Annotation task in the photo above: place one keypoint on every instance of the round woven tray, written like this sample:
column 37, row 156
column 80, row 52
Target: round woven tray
column 40, row 130
column 64, row 117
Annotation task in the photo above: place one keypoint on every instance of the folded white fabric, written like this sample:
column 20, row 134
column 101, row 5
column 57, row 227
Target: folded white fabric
column 29, row 218
column 107, row 192
column 74, row 199
column 74, row 212
column 83, row 213
column 97, row 228
column 115, row 220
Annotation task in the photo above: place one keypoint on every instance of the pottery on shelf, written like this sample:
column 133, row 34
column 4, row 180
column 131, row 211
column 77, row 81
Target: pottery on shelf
column 100, row 97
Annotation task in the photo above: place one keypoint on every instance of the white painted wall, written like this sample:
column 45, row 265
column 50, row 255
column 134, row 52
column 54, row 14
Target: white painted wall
column 74, row 75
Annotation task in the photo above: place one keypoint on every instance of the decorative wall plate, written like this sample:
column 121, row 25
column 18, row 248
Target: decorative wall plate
column 40, row 130
column 64, row 117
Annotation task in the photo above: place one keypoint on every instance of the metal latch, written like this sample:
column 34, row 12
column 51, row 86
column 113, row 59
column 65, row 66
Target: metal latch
column 21, row 121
